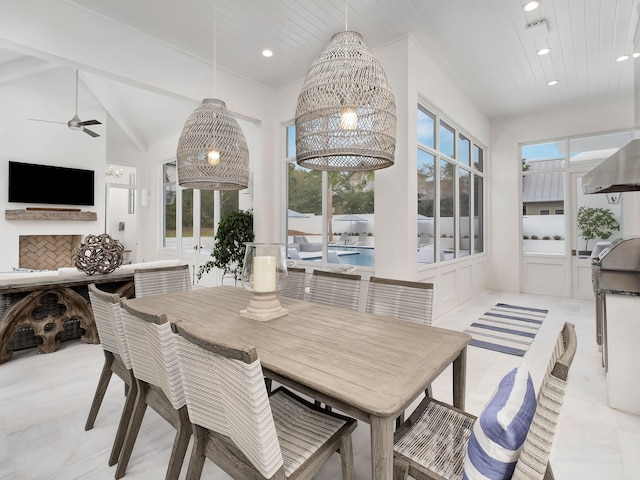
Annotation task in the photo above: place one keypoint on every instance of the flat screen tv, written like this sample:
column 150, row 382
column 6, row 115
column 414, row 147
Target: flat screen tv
column 50, row 185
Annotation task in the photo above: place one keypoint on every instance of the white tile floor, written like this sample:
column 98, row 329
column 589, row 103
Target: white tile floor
column 44, row 400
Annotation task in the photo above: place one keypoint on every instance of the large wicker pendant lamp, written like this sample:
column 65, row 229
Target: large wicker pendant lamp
column 346, row 113
column 212, row 150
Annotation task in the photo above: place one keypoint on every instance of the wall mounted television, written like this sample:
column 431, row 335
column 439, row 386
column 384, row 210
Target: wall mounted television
column 50, row 185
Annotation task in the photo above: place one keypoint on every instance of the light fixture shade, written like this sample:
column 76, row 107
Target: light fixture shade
column 346, row 112
column 211, row 128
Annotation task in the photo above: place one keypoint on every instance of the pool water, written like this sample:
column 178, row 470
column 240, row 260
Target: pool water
column 360, row 256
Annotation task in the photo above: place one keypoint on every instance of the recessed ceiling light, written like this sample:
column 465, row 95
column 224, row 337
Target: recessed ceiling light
column 531, row 5
column 544, row 51
column 552, row 82
column 267, row 53
column 622, row 58
column 636, row 54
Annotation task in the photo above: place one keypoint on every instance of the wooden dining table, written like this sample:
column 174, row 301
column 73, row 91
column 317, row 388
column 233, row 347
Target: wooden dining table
column 367, row 366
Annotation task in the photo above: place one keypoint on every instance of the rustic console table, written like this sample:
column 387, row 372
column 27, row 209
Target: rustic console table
column 43, row 311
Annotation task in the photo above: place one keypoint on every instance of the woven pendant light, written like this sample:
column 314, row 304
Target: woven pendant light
column 212, row 151
column 346, row 112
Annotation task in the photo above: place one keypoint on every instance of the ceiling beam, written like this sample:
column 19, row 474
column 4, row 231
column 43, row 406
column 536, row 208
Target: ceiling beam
column 103, row 93
column 23, row 67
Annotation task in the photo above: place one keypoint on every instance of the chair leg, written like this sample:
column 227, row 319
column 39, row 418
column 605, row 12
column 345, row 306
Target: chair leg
column 134, row 427
column 196, row 462
column 180, row 444
column 346, row 458
column 428, row 391
column 399, row 420
column 400, row 470
column 125, row 419
column 101, row 389
column 268, row 383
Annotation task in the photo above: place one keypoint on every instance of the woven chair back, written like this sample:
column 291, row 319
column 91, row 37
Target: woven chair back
column 108, row 316
column 294, row 286
column 400, row 299
column 156, row 281
column 153, row 352
column 337, row 289
column 226, row 393
column 534, row 455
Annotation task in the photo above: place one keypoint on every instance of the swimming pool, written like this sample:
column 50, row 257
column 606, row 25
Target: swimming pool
column 361, row 256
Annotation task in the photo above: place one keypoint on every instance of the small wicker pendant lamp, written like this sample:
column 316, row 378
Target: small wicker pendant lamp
column 346, row 112
column 212, row 150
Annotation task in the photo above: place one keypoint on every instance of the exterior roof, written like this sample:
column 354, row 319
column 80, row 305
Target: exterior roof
column 546, row 186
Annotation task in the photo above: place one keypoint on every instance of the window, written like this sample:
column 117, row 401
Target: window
column 543, row 180
column 199, row 212
column 450, row 191
column 447, row 146
column 426, row 206
column 170, row 178
column 338, row 203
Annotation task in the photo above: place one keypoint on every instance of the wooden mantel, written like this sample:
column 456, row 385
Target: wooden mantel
column 56, row 215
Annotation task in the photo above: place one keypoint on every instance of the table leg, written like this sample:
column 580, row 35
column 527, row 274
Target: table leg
column 460, row 379
column 381, row 448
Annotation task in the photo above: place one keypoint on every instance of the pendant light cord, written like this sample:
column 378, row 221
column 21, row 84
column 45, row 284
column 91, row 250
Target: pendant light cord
column 215, row 34
column 346, row 16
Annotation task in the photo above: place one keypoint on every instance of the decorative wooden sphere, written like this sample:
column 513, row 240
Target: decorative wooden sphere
column 99, row 254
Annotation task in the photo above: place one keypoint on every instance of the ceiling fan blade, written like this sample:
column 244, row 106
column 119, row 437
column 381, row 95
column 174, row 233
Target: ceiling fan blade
column 48, row 121
column 90, row 122
column 93, row 134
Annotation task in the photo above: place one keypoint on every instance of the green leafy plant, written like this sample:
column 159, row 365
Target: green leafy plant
column 234, row 229
column 557, row 237
column 546, row 237
column 534, row 237
column 596, row 223
column 525, row 237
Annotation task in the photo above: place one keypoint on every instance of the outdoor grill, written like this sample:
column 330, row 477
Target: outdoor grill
column 615, row 269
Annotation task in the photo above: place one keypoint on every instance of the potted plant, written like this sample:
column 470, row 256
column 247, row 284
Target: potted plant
column 596, row 223
column 234, row 229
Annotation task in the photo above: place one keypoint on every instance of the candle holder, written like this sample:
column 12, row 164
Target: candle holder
column 264, row 272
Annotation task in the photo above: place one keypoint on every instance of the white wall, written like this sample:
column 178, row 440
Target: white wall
column 504, row 186
column 46, row 144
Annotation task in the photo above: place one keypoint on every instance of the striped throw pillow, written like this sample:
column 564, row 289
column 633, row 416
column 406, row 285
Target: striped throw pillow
column 500, row 430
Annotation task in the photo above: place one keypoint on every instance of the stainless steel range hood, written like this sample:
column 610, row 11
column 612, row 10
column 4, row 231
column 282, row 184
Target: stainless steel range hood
column 618, row 173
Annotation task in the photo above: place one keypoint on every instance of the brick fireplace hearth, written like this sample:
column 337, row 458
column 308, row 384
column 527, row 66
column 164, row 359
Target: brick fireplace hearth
column 48, row 252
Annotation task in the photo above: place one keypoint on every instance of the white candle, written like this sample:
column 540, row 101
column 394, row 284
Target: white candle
column 264, row 274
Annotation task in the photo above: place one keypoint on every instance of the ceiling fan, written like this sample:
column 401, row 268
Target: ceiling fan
column 75, row 123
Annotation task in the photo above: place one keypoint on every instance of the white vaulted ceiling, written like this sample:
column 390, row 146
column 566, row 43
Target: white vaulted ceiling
column 486, row 47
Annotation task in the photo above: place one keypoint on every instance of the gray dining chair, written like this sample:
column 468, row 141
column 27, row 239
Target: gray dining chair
column 294, row 287
column 246, row 432
column 108, row 318
column 401, row 299
column 433, row 442
column 156, row 281
column 155, row 366
column 337, row 289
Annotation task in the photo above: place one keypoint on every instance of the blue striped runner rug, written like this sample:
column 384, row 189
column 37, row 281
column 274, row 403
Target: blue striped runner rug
column 507, row 328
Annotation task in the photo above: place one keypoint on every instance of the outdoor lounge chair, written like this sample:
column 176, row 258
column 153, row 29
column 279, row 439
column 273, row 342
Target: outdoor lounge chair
column 363, row 239
column 433, row 442
column 305, row 245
